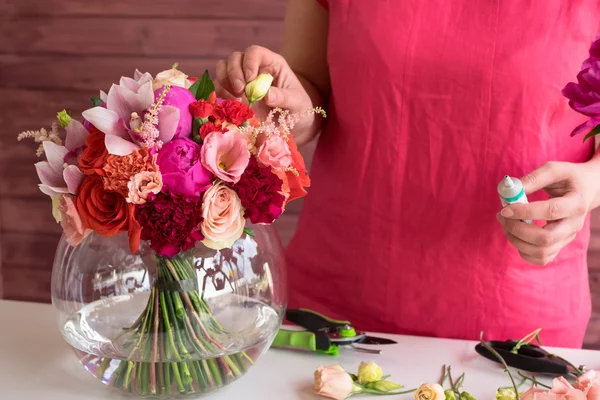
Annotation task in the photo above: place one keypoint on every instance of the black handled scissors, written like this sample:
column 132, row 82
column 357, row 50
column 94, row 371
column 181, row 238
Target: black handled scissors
column 529, row 357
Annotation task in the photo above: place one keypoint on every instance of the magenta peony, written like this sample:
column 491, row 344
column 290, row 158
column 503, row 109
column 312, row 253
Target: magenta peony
column 181, row 99
column 259, row 191
column 181, row 169
column 170, row 222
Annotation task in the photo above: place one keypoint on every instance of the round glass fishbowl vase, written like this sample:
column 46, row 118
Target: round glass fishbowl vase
column 161, row 327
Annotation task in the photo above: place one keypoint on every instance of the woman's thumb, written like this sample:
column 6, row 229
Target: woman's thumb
column 277, row 97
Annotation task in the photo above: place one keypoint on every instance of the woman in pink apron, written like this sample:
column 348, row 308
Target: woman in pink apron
column 430, row 103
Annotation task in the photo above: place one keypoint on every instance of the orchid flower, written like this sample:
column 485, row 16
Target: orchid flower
column 122, row 117
column 60, row 174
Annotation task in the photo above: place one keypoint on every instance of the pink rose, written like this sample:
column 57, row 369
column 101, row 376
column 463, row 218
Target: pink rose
column 333, row 382
column 226, row 155
column 561, row 390
column 71, row 221
column 142, row 184
column 223, row 217
column 275, row 153
column 588, row 384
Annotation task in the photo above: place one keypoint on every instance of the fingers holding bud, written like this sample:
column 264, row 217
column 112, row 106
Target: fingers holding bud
column 258, row 88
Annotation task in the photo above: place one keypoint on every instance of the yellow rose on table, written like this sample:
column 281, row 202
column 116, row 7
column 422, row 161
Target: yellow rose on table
column 430, row 391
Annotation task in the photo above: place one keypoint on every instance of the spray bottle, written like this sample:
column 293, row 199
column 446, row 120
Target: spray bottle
column 511, row 192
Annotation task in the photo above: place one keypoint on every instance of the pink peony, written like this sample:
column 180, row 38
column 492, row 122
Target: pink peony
column 333, row 382
column 274, row 152
column 142, row 184
column 589, row 384
column 226, row 155
column 180, row 98
column 71, row 221
column 223, row 217
column 181, row 169
column 259, row 190
column 170, row 222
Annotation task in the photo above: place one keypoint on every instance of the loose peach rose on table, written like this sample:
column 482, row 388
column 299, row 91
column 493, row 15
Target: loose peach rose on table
column 430, row 391
column 333, row 382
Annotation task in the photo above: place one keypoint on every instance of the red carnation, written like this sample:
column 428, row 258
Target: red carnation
column 258, row 190
column 170, row 222
column 233, row 111
column 202, row 109
column 209, row 127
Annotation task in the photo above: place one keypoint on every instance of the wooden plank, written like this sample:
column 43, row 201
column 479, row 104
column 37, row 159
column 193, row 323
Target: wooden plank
column 29, row 249
column 27, row 284
column 592, row 337
column 173, row 39
column 28, row 215
column 85, row 73
column 205, row 9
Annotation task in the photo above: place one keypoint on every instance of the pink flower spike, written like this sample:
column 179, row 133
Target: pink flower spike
column 226, row 155
column 76, row 134
column 73, row 177
column 168, row 121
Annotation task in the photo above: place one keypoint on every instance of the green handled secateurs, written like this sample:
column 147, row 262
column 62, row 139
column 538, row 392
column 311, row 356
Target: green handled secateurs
column 323, row 334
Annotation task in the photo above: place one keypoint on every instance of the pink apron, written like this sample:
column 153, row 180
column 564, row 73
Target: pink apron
column 433, row 102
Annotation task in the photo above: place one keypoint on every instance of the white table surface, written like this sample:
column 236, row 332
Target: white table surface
column 36, row 364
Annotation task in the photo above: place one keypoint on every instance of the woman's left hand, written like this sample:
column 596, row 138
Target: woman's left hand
column 573, row 189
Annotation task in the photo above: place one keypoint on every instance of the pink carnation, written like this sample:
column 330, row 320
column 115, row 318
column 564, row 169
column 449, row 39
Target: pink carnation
column 226, row 155
column 259, row 191
column 170, row 222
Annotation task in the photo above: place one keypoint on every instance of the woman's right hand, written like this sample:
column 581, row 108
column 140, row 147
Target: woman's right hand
column 286, row 92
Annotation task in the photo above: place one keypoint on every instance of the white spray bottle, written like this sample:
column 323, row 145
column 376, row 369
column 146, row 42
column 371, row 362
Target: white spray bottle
column 511, row 192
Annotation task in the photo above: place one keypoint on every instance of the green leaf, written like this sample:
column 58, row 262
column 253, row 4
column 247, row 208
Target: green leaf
column 249, row 232
column 384, row 386
column 97, row 101
column 592, row 133
column 203, row 87
column 198, row 122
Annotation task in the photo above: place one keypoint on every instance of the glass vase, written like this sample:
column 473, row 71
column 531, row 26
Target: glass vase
column 163, row 327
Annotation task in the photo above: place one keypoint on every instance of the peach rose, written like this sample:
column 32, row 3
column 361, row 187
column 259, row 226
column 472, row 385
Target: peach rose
column 275, row 153
column 223, row 217
column 589, row 384
column 430, row 391
column 71, row 221
column 333, row 382
column 142, row 184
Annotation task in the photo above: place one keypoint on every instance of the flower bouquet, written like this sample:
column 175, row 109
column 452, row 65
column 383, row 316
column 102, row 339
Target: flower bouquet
column 165, row 162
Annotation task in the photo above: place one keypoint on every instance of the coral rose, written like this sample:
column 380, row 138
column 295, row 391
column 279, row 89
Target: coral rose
column 274, row 152
column 71, row 222
column 93, row 157
column 142, row 184
column 226, row 155
column 107, row 213
column 333, row 382
column 118, row 170
column 223, row 217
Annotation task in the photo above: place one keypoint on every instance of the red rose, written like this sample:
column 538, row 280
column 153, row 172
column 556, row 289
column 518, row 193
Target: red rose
column 95, row 153
column 107, row 213
column 233, row 111
column 207, row 128
column 201, row 109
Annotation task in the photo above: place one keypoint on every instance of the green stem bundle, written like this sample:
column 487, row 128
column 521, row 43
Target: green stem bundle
column 174, row 337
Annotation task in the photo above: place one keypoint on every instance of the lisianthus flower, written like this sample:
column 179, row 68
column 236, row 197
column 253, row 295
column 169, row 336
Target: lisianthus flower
column 222, row 217
column 273, row 151
column 118, row 170
column 181, row 169
column 226, row 155
column 170, row 222
column 59, row 174
column 121, row 118
column 259, row 191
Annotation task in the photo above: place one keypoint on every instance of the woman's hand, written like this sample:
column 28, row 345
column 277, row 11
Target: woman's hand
column 573, row 189
column 286, row 92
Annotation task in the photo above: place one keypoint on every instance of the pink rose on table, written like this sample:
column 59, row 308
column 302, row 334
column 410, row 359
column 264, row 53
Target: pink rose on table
column 223, row 217
column 589, row 384
column 274, row 152
column 333, row 382
column 181, row 169
column 71, row 221
column 226, row 155
column 561, row 390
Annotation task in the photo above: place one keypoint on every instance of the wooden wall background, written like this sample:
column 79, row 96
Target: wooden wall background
column 55, row 54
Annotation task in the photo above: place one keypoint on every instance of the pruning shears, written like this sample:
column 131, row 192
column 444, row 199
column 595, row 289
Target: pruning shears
column 323, row 334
